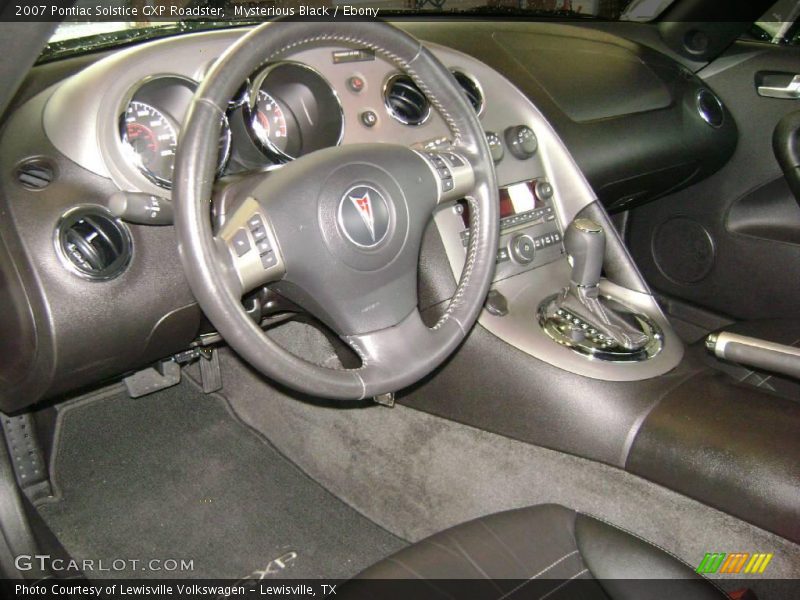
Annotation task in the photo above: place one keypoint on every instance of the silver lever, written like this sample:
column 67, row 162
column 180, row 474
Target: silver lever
column 790, row 92
column 756, row 353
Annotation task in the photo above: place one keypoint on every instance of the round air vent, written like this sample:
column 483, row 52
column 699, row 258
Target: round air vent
column 471, row 89
column 93, row 243
column 710, row 108
column 405, row 102
column 35, row 173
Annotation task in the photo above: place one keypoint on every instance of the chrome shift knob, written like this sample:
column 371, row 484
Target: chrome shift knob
column 585, row 243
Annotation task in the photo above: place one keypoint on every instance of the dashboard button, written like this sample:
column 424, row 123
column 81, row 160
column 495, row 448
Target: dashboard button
column 356, row 84
column 369, row 118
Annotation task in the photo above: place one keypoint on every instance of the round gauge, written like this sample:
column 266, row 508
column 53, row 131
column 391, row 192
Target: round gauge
column 292, row 111
column 150, row 141
column 269, row 123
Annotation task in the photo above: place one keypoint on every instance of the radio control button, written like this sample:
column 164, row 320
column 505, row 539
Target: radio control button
column 522, row 249
column 544, row 191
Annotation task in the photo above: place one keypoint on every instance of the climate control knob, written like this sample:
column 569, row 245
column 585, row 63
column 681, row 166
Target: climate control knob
column 495, row 146
column 521, row 249
column 521, row 141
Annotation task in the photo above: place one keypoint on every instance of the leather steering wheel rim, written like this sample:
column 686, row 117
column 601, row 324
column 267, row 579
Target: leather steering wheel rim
column 395, row 356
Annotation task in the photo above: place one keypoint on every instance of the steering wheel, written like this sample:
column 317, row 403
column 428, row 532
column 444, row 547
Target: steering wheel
column 337, row 231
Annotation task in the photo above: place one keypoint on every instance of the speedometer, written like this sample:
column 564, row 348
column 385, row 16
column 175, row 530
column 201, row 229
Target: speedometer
column 150, row 142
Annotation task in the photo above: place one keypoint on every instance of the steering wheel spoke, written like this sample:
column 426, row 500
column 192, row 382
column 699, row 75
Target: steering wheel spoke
column 250, row 246
column 453, row 173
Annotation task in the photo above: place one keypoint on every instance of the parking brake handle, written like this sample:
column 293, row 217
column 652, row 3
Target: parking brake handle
column 753, row 352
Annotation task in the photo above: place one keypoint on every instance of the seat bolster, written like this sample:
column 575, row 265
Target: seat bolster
column 515, row 544
column 618, row 559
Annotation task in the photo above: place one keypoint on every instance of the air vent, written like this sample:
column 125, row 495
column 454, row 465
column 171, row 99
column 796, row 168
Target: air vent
column 471, row 90
column 93, row 243
column 35, row 173
column 710, row 108
column 405, row 102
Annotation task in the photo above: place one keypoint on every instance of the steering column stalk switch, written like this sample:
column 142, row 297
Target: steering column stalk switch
column 586, row 321
column 141, row 208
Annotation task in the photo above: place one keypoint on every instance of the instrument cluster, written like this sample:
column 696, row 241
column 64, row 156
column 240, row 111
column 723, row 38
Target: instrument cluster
column 282, row 112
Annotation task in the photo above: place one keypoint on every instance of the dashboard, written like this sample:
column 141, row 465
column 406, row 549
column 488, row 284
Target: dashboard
column 120, row 118
column 79, row 314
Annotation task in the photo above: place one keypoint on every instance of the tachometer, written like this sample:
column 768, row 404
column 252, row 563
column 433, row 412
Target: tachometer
column 269, row 124
column 150, row 141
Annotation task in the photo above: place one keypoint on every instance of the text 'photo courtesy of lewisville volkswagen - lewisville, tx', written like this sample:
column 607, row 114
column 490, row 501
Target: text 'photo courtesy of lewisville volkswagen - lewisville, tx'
column 400, row 299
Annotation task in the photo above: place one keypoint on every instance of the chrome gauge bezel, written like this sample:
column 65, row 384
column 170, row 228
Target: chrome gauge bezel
column 191, row 85
column 268, row 148
column 127, row 148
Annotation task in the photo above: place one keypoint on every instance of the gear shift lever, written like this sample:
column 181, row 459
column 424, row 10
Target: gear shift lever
column 585, row 243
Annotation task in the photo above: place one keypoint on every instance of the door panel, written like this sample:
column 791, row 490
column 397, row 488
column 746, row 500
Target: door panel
column 731, row 243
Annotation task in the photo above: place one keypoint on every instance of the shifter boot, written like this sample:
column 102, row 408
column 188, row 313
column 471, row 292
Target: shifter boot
column 586, row 303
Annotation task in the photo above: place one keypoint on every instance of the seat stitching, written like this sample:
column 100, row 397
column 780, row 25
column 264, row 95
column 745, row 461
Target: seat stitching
column 561, row 585
column 474, row 564
column 503, row 544
column 419, row 576
column 543, row 571
column 442, row 547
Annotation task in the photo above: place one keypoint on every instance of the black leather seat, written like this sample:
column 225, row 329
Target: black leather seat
column 545, row 551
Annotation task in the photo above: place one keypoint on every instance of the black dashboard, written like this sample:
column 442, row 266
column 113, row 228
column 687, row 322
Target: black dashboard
column 639, row 127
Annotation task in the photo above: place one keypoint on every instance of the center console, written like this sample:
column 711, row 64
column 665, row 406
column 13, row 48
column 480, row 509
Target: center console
column 565, row 290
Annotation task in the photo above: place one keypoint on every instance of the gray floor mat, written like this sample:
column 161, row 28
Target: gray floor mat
column 175, row 475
